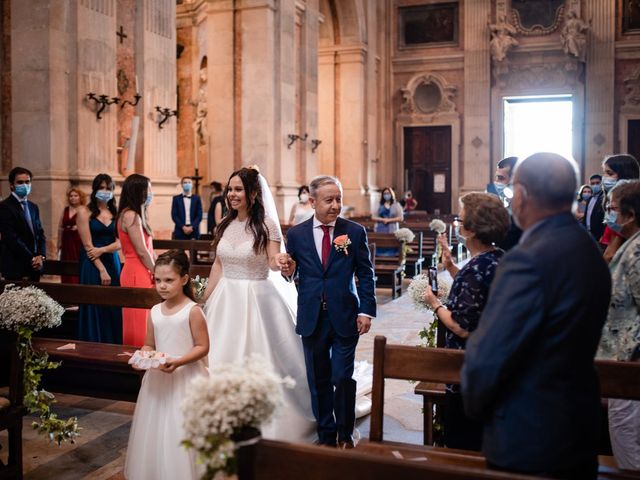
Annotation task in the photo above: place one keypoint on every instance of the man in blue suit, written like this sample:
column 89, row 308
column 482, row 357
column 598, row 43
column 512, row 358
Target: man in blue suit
column 186, row 212
column 24, row 246
column 328, row 253
column 528, row 372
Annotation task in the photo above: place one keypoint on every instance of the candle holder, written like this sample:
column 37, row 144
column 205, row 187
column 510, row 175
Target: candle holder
column 137, row 97
column 166, row 114
column 103, row 101
column 293, row 137
column 315, row 143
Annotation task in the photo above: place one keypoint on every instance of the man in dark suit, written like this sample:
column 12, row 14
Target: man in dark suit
column 528, row 372
column 24, row 246
column 329, row 252
column 503, row 188
column 593, row 218
column 186, row 212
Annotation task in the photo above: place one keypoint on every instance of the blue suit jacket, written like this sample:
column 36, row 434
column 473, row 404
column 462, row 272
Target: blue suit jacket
column 336, row 284
column 19, row 244
column 178, row 215
column 528, row 372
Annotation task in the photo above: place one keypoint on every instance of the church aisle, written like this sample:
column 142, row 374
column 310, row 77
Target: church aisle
column 100, row 450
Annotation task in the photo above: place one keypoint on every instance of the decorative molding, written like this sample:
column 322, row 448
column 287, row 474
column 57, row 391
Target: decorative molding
column 443, row 103
column 526, row 76
column 631, row 85
column 537, row 30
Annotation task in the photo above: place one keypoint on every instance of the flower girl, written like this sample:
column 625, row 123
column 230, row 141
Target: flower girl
column 177, row 344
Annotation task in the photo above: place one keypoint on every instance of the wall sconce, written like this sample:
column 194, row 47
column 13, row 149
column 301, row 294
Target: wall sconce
column 103, row 100
column 137, row 96
column 166, row 114
column 293, row 137
column 315, row 143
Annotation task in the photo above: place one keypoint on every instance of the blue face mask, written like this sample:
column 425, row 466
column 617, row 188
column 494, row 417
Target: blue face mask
column 22, row 190
column 611, row 219
column 187, row 187
column 387, row 197
column 147, row 202
column 586, row 196
column 596, row 189
column 500, row 188
column 462, row 240
column 608, row 183
column 104, row 195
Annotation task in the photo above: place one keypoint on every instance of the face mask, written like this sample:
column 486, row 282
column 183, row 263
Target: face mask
column 608, row 183
column 500, row 188
column 387, row 197
column 462, row 240
column 304, row 197
column 104, row 196
column 147, row 202
column 187, row 187
column 596, row 189
column 22, row 190
column 611, row 219
column 586, row 196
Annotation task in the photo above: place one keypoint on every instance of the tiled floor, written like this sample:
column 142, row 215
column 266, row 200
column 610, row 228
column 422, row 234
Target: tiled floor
column 100, row 450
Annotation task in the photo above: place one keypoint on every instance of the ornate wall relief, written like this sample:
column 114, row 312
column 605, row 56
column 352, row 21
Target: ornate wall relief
column 537, row 17
column 632, row 91
column 427, row 94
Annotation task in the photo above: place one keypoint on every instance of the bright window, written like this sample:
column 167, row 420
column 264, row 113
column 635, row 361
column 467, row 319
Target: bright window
column 538, row 124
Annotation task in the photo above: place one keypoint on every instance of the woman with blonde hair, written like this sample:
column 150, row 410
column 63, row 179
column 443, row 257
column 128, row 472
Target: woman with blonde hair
column 69, row 243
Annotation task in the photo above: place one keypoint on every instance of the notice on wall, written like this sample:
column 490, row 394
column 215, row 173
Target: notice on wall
column 439, row 183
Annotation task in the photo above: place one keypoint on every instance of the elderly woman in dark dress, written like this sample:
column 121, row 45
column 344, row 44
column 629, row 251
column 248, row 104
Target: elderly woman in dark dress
column 483, row 221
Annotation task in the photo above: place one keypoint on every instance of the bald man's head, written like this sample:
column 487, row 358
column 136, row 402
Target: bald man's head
column 549, row 179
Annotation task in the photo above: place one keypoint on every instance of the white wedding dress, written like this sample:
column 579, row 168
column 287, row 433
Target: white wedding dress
column 247, row 313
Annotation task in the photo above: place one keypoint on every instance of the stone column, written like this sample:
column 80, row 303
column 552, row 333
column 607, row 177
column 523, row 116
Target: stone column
column 351, row 149
column 327, row 111
column 156, row 67
column 477, row 96
column 600, row 82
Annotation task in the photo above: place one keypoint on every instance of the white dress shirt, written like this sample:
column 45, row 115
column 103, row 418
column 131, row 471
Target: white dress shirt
column 187, row 209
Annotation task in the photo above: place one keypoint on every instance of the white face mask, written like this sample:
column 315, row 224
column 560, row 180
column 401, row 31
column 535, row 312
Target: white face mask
column 304, row 197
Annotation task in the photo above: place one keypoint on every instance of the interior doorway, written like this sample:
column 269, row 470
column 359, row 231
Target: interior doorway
column 427, row 167
column 538, row 124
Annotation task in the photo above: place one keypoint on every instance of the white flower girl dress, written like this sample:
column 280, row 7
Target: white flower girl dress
column 154, row 451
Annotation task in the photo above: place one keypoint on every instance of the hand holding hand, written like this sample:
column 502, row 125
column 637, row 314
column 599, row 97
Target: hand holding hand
column 105, row 279
column 364, row 324
column 187, row 230
column 36, row 262
column 169, row 366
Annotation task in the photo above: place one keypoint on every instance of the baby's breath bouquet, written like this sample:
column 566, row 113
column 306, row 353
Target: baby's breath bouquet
column 199, row 286
column 416, row 290
column 404, row 236
column 439, row 227
column 218, row 409
column 25, row 310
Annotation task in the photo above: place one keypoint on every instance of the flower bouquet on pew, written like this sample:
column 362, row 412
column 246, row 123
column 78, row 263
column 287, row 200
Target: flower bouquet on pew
column 405, row 236
column 25, row 310
column 224, row 411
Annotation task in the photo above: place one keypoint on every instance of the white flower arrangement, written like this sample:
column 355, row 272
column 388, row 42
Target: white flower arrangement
column 199, row 286
column 404, row 235
column 233, row 398
column 28, row 307
column 25, row 310
column 438, row 226
column 419, row 285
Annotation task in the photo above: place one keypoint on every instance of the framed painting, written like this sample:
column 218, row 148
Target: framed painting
column 630, row 16
column 537, row 15
column 428, row 25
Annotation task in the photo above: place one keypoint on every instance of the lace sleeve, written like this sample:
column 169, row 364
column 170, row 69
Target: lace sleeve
column 273, row 231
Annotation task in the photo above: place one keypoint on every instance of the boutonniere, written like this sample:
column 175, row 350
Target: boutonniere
column 342, row 243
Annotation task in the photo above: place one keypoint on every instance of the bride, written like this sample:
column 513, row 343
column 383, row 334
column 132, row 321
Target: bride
column 249, row 313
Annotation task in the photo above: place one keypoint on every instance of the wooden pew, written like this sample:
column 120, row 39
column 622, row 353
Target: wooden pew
column 198, row 249
column 439, row 365
column 93, row 369
column 12, row 409
column 388, row 274
column 273, row 460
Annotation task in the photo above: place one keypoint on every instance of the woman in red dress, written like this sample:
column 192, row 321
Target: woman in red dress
column 137, row 247
column 68, row 239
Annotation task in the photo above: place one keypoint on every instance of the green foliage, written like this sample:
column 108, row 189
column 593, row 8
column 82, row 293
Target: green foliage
column 429, row 334
column 38, row 401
